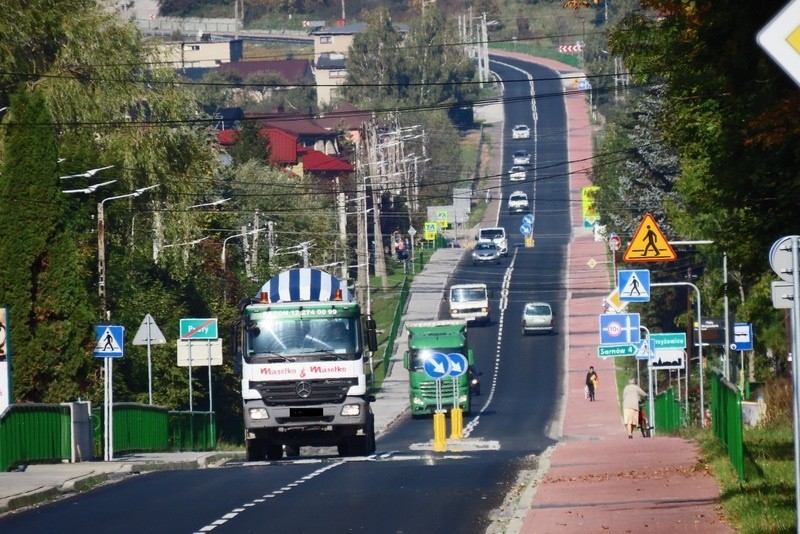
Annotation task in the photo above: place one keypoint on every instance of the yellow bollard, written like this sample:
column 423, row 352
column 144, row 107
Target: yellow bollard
column 456, row 423
column 439, row 431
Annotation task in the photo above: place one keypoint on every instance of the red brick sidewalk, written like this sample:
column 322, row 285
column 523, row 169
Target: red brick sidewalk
column 598, row 480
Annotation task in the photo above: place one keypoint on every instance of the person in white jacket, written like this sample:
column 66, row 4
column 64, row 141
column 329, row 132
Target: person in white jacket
column 631, row 396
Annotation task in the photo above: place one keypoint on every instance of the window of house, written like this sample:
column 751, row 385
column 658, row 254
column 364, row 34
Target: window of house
column 325, row 39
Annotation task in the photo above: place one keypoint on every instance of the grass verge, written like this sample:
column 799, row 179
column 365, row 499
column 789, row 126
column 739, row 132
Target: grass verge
column 765, row 502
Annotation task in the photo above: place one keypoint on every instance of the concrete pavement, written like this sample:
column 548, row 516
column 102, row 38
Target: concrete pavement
column 593, row 480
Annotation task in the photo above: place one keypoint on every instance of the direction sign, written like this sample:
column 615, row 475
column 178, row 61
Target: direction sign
column 634, row 286
column 199, row 329
column 528, row 219
column 110, row 341
column 613, row 351
column 619, row 328
column 649, row 243
column 743, row 336
column 672, row 340
column 458, row 364
column 437, row 365
column 781, row 40
column 525, row 229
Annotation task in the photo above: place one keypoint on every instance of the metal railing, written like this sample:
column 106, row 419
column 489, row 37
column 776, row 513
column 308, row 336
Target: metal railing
column 396, row 319
column 726, row 420
column 34, row 433
column 669, row 416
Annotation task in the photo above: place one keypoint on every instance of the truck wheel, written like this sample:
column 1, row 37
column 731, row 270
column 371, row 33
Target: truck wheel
column 254, row 450
column 274, row 451
column 292, row 451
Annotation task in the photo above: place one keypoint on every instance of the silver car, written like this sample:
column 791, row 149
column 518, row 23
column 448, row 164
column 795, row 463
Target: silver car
column 522, row 157
column 537, row 317
column 485, row 252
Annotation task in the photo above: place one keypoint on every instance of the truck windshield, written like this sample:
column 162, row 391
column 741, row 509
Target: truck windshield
column 419, row 356
column 467, row 294
column 492, row 234
column 289, row 339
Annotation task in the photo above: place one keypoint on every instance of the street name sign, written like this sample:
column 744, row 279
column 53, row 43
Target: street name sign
column 614, row 351
column 672, row 340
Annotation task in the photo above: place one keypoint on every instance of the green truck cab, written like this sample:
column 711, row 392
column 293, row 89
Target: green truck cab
column 425, row 338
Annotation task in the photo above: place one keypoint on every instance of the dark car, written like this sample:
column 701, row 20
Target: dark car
column 473, row 376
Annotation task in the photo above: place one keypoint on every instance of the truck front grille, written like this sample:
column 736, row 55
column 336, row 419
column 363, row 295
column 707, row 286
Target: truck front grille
column 304, row 392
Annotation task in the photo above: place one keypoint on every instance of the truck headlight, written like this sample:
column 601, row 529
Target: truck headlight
column 462, row 399
column 351, row 410
column 258, row 413
column 417, row 401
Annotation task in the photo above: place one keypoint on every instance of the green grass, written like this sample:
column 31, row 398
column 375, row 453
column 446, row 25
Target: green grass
column 765, row 502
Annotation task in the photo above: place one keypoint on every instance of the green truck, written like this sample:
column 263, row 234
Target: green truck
column 424, row 339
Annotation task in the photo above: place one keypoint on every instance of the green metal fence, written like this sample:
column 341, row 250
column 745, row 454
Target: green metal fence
column 34, row 433
column 669, row 415
column 192, row 431
column 726, row 420
column 140, row 427
column 398, row 316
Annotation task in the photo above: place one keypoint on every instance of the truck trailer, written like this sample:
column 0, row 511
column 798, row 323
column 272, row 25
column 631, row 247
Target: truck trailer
column 302, row 345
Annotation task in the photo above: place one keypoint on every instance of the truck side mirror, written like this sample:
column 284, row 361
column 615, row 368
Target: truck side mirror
column 405, row 359
column 371, row 334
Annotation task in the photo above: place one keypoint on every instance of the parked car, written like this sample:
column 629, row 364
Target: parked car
column 517, row 173
column 521, row 131
column 518, row 202
column 485, row 252
column 537, row 317
column 522, row 157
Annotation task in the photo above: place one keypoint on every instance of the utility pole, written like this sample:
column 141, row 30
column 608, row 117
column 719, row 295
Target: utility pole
column 380, row 259
column 341, row 199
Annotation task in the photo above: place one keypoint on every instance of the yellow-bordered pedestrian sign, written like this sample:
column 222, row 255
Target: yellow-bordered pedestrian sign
column 649, row 243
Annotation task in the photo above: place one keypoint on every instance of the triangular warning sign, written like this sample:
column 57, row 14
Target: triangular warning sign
column 107, row 343
column 149, row 333
column 649, row 243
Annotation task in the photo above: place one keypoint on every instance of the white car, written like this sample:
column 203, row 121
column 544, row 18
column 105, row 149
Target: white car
column 522, row 157
column 537, row 317
column 517, row 173
column 521, row 131
column 518, row 202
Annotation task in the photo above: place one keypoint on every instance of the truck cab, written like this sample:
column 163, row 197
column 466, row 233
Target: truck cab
column 496, row 234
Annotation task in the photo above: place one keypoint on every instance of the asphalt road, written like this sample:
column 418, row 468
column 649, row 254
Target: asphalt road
column 404, row 487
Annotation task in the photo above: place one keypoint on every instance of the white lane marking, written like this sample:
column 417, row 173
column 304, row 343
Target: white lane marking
column 236, row 511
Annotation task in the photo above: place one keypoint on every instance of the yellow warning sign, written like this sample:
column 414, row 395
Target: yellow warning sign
column 649, row 243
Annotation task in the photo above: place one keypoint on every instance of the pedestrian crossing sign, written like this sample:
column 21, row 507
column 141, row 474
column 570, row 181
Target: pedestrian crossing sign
column 110, row 341
column 649, row 243
column 634, row 286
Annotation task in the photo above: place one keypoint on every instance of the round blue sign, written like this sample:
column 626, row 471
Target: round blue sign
column 527, row 219
column 525, row 229
column 458, row 364
column 437, row 365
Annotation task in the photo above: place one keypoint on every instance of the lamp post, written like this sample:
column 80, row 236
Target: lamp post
column 225, row 241
column 157, row 250
column 101, row 246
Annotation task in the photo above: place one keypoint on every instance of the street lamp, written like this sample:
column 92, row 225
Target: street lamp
column 101, row 246
column 225, row 241
column 158, row 249
column 214, row 203
column 87, row 174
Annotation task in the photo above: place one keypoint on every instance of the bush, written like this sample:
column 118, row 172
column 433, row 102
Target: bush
column 778, row 399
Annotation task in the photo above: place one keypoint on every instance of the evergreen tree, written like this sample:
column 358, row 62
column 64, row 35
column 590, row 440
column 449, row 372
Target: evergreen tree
column 40, row 273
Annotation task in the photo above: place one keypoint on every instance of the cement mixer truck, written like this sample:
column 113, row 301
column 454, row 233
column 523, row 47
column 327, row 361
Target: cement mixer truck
column 302, row 345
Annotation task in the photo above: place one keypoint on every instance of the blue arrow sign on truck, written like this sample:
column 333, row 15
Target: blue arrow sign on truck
column 199, row 329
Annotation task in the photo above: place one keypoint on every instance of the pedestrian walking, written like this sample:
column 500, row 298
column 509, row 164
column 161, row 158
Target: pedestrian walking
column 591, row 383
column 631, row 396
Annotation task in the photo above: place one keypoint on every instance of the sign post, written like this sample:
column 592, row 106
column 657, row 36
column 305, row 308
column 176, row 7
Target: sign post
column 110, row 343
column 149, row 334
column 437, row 366
column 197, row 329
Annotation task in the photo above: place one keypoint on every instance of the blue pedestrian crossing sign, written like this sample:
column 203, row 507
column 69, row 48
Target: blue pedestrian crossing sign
column 634, row 285
column 110, row 341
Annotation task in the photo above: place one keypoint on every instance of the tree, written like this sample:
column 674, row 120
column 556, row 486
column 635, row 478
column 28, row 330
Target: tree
column 41, row 277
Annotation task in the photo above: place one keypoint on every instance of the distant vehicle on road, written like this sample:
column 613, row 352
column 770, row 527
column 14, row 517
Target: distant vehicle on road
column 485, row 252
column 517, row 173
column 537, row 317
column 518, row 202
column 522, row 157
column 496, row 235
column 521, row 131
column 469, row 302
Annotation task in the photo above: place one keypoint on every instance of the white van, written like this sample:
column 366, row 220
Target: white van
column 496, row 234
column 469, row 302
